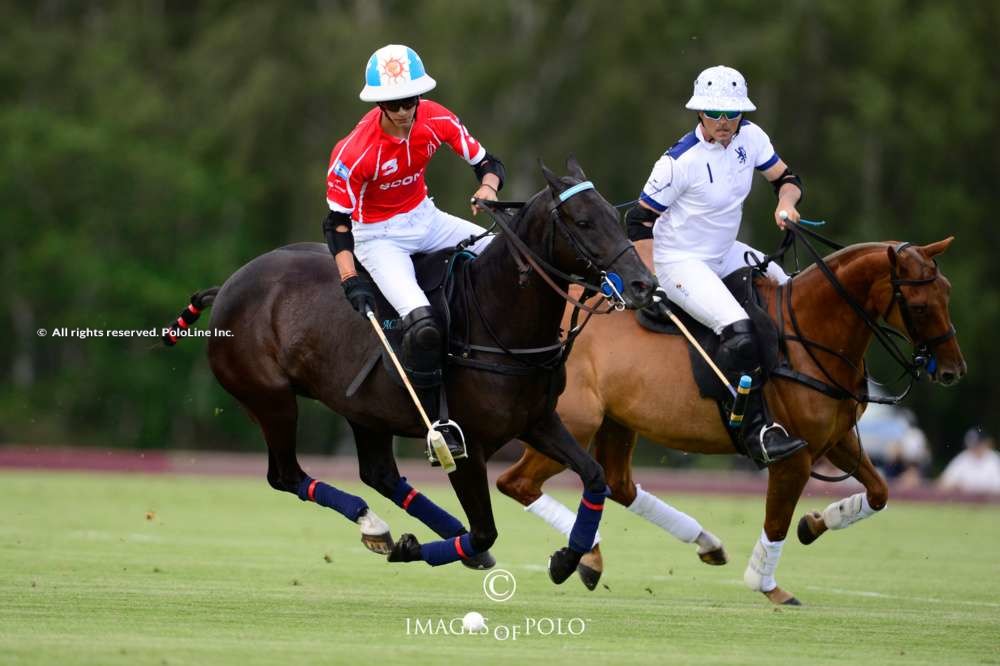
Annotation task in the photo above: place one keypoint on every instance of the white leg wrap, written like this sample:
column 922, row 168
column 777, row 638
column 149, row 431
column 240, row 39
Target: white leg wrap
column 652, row 508
column 847, row 511
column 759, row 574
column 556, row 514
column 372, row 525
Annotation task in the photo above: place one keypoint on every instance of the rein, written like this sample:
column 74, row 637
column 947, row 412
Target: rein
column 922, row 357
column 527, row 260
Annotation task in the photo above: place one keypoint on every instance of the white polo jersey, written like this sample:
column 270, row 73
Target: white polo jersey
column 699, row 187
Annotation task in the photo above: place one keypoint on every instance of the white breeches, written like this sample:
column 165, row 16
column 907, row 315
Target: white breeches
column 385, row 248
column 696, row 286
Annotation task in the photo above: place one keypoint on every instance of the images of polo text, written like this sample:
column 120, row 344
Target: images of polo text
column 528, row 627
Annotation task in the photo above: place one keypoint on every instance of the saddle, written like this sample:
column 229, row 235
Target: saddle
column 741, row 284
column 436, row 274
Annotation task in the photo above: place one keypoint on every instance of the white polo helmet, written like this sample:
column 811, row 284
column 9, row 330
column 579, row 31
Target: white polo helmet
column 395, row 72
column 720, row 88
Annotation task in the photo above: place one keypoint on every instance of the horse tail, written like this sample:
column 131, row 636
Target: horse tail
column 200, row 301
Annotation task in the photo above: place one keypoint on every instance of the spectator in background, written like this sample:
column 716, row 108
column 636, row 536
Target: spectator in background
column 975, row 470
column 895, row 443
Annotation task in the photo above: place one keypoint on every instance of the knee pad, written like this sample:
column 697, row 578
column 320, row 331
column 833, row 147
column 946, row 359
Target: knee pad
column 422, row 341
column 738, row 348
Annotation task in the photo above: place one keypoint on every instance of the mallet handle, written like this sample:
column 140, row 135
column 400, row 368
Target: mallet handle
column 399, row 368
column 694, row 343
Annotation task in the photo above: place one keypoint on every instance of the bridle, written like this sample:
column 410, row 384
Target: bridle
column 923, row 354
column 610, row 286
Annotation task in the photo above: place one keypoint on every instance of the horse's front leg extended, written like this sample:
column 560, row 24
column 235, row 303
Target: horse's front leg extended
column 472, row 489
column 786, row 479
column 848, row 456
column 551, row 438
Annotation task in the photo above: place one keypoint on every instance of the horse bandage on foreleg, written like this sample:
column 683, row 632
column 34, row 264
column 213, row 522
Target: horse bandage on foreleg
column 661, row 514
column 759, row 574
column 588, row 517
column 847, row 511
column 556, row 514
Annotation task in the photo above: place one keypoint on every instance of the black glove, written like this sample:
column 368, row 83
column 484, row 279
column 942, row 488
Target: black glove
column 360, row 292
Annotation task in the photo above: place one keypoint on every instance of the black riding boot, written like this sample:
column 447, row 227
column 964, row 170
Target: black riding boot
column 764, row 441
column 422, row 352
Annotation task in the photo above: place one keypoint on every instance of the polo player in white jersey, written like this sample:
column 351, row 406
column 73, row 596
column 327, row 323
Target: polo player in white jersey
column 695, row 197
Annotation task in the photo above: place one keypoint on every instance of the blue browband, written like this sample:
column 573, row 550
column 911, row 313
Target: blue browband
column 576, row 189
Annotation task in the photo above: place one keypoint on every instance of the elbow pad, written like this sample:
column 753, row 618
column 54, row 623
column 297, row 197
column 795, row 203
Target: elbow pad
column 788, row 177
column 490, row 164
column 338, row 241
column 639, row 223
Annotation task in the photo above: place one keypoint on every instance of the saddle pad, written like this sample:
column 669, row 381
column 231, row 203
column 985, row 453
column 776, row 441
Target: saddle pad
column 655, row 319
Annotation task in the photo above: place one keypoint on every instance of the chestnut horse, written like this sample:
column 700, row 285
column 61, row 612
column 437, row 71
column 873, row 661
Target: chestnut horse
column 643, row 385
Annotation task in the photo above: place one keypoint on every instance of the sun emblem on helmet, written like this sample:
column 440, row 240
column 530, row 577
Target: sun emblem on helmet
column 394, row 69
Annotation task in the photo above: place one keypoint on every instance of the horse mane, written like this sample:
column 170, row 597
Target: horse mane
column 835, row 259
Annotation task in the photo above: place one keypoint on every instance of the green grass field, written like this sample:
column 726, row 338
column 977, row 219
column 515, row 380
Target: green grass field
column 116, row 569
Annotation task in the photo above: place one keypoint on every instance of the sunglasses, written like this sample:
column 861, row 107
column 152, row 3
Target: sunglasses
column 397, row 104
column 719, row 115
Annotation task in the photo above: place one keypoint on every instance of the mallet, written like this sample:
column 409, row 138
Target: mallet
column 434, row 439
column 694, row 343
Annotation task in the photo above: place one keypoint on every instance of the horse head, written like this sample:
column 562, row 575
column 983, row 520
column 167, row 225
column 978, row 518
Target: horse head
column 919, row 307
column 589, row 240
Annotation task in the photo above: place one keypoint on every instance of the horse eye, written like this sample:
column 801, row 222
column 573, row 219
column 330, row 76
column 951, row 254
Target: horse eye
column 920, row 309
column 585, row 224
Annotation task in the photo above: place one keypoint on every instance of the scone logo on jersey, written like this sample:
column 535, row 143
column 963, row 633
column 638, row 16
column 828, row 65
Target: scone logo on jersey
column 406, row 180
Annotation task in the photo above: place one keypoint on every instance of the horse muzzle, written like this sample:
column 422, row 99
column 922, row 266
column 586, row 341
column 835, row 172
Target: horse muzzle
column 949, row 376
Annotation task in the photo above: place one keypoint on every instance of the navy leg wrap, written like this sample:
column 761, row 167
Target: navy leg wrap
column 351, row 506
column 588, row 517
column 430, row 514
column 445, row 551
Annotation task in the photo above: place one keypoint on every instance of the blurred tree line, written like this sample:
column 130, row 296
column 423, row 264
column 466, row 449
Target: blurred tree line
column 149, row 149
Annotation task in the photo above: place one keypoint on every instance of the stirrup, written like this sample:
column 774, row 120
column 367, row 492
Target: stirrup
column 453, row 433
column 765, row 458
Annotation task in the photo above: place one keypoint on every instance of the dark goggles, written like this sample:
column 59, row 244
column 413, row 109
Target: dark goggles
column 719, row 115
column 395, row 105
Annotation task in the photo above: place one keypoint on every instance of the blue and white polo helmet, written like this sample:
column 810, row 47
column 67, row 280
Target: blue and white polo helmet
column 395, row 72
column 720, row 88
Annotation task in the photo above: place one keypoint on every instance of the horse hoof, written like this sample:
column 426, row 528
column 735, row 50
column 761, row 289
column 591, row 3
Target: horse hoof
column 378, row 543
column 407, row 549
column 590, row 577
column 715, row 557
column 590, row 568
column 480, row 562
column 811, row 526
column 781, row 597
column 562, row 563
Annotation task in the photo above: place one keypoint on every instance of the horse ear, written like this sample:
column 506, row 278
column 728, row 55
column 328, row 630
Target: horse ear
column 574, row 169
column 935, row 249
column 552, row 179
column 891, row 251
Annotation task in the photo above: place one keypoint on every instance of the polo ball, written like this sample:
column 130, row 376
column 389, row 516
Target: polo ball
column 473, row 622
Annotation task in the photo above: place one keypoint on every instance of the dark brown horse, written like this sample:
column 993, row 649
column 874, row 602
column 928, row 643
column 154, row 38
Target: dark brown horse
column 294, row 334
column 643, row 385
